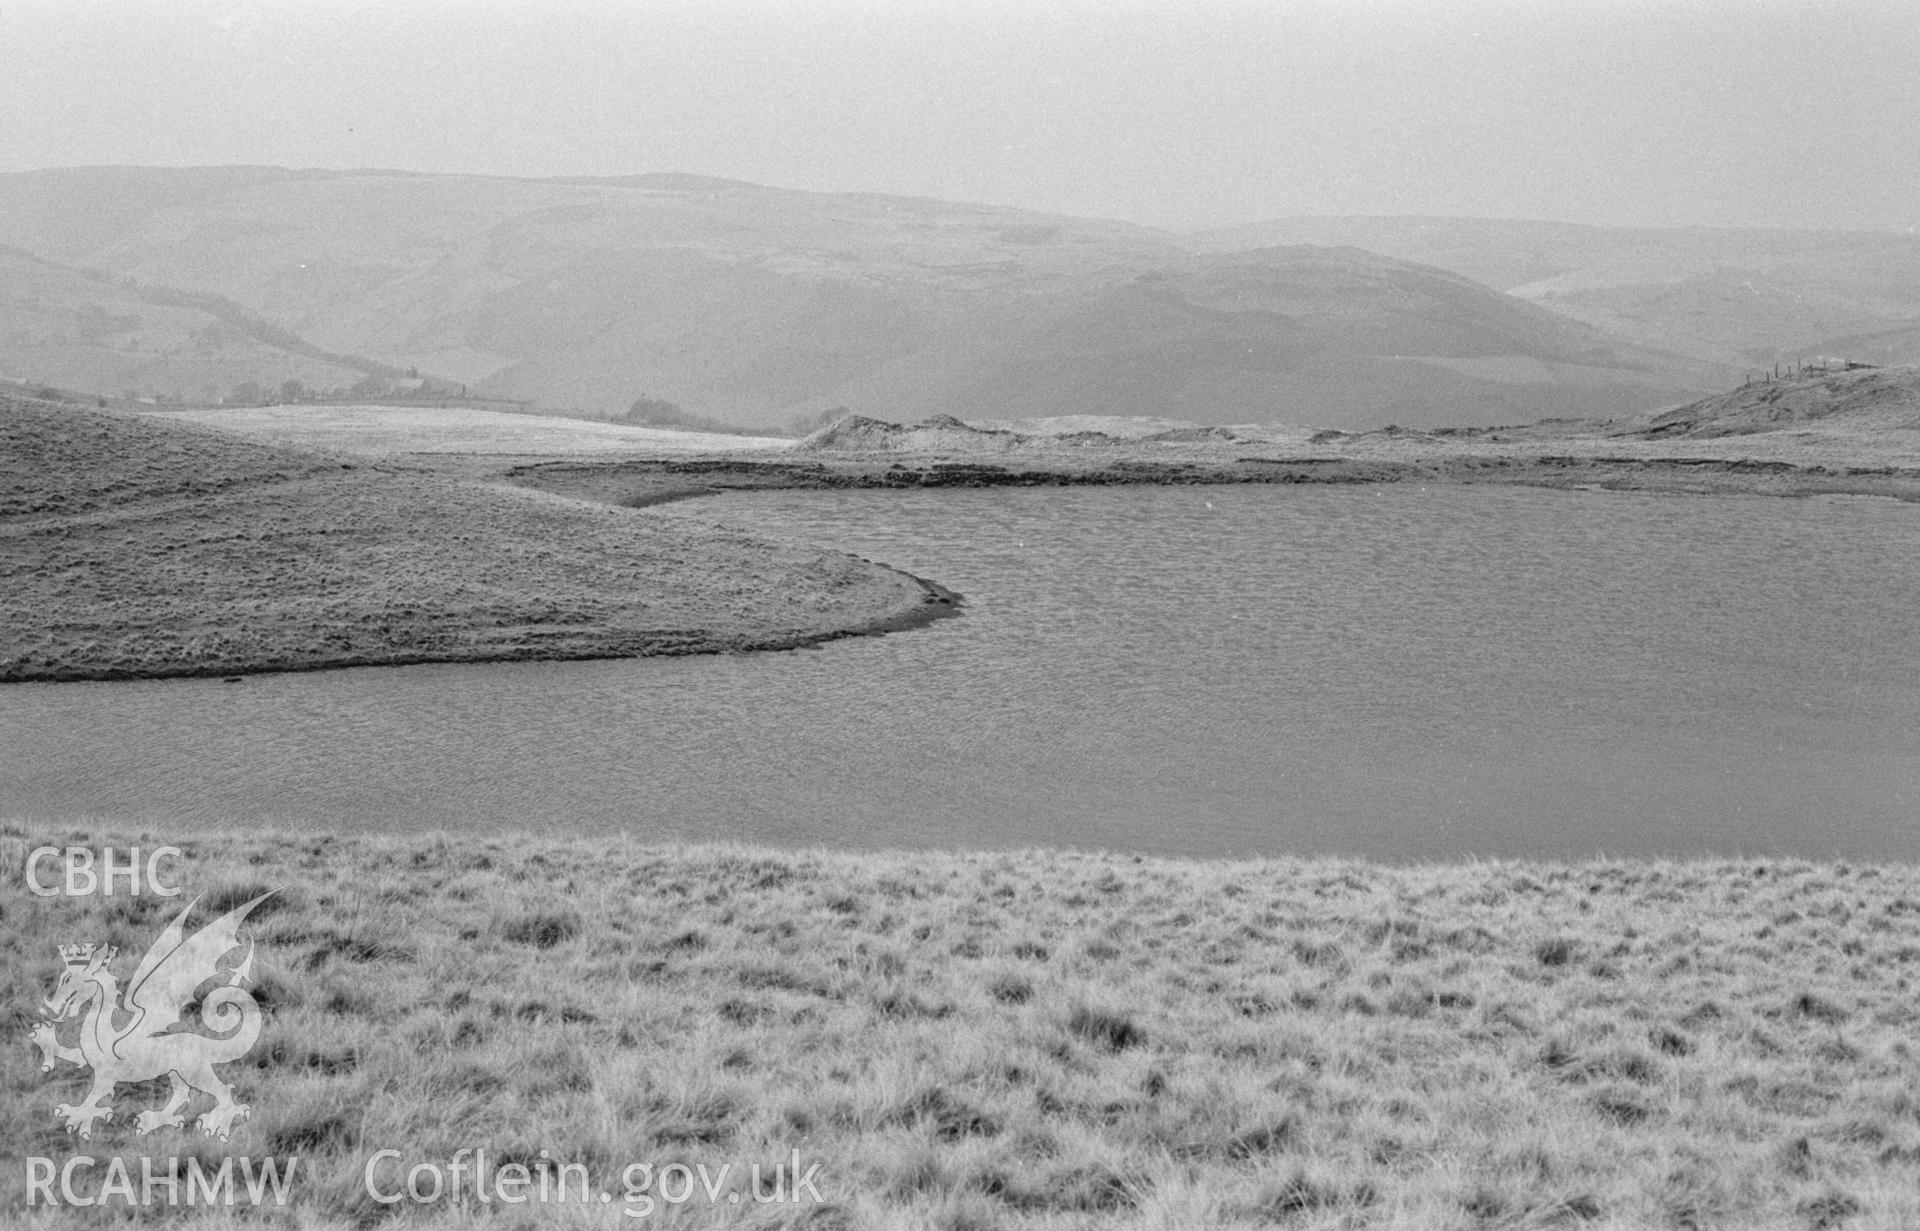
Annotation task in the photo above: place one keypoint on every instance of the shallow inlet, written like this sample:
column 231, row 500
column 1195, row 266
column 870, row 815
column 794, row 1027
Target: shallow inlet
column 1398, row 672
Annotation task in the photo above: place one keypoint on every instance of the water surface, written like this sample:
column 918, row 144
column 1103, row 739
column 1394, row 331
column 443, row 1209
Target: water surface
column 1398, row 672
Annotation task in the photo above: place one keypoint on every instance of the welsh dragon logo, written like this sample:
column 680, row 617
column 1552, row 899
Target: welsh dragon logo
column 150, row 1040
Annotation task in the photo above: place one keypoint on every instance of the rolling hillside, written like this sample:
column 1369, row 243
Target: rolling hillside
column 1302, row 335
column 753, row 304
column 1851, row 401
column 71, row 329
column 1736, row 297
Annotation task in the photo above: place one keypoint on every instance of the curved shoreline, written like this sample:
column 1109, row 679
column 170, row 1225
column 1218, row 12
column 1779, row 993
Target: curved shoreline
column 937, row 603
column 134, row 550
column 143, row 550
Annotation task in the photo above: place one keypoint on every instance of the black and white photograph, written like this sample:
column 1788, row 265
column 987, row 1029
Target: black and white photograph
column 946, row 615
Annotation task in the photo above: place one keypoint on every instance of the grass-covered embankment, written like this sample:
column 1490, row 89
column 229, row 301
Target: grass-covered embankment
column 1045, row 1039
column 131, row 547
column 1820, row 433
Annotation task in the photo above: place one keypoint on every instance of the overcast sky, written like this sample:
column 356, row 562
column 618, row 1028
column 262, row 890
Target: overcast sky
column 1759, row 113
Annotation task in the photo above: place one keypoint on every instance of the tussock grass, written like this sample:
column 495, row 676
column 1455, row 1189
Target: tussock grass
column 1046, row 1039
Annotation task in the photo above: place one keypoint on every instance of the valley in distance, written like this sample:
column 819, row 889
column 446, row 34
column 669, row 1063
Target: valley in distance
column 1039, row 1038
column 222, row 541
column 961, row 1039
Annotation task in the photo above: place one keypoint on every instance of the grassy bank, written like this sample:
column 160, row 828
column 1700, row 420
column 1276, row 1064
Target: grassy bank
column 1751, row 441
column 1041, row 1039
column 1845, row 433
column 136, row 548
column 636, row 483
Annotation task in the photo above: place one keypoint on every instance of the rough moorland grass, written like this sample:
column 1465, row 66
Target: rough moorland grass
column 130, row 548
column 1041, row 1039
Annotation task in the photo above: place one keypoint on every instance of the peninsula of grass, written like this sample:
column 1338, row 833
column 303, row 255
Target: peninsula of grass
column 1034, row 1039
column 133, row 547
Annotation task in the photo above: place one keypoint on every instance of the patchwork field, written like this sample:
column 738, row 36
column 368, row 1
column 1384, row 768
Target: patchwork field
column 1033, row 1039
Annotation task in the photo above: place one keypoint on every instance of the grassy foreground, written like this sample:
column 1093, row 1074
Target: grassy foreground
column 1035, row 1039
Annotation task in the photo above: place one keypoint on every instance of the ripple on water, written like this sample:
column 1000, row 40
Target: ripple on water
column 1394, row 671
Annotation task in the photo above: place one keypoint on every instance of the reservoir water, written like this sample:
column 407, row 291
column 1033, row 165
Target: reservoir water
column 1398, row 672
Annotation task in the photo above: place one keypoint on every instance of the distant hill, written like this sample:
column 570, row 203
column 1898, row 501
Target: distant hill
column 1302, row 335
column 72, row 329
column 1736, row 297
column 754, row 304
column 1860, row 400
column 1883, row 347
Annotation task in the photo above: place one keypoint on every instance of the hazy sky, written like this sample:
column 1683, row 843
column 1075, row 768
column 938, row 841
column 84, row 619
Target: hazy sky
column 1689, row 111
